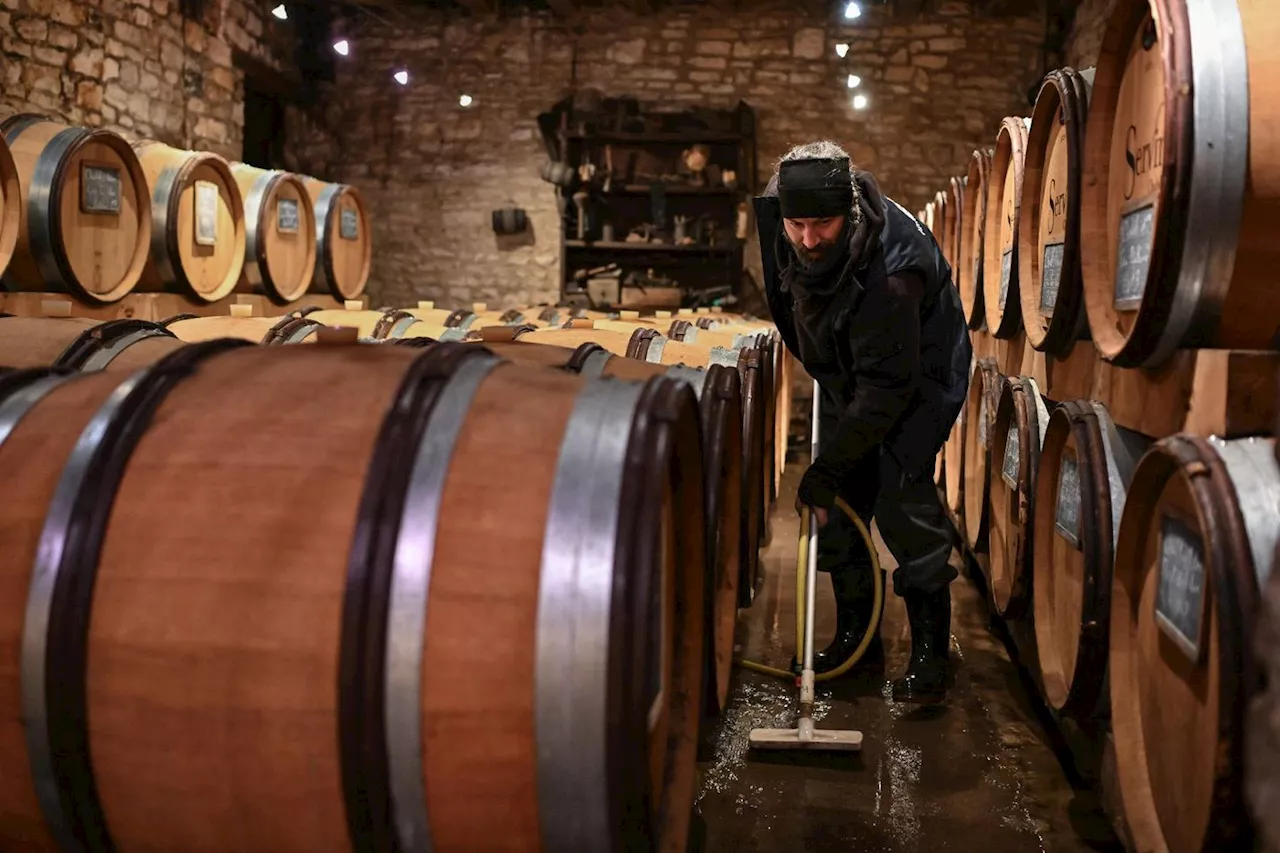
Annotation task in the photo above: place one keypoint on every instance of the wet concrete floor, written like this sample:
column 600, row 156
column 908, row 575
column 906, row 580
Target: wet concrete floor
column 975, row 773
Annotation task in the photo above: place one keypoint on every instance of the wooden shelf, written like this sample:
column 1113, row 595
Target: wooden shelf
column 615, row 246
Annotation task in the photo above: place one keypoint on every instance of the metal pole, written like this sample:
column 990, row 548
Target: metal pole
column 805, row 731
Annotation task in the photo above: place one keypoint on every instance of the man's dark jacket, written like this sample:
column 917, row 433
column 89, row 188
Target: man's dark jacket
column 888, row 340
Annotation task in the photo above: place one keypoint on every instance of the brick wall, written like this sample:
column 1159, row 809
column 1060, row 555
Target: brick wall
column 432, row 170
column 135, row 66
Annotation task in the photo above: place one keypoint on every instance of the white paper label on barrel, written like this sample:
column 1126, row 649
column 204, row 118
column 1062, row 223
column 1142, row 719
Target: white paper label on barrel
column 1006, row 272
column 99, row 189
column 287, row 216
column 1133, row 256
column 1011, row 458
column 1066, row 517
column 1051, row 277
column 206, row 220
column 1180, row 586
column 348, row 224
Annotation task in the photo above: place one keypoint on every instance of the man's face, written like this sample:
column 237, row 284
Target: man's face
column 813, row 239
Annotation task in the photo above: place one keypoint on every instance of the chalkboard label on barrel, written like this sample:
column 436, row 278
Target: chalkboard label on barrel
column 349, row 224
column 287, row 216
column 1133, row 256
column 1006, row 271
column 206, row 219
column 1180, row 587
column 1011, row 453
column 99, row 189
column 1066, row 517
column 1051, row 277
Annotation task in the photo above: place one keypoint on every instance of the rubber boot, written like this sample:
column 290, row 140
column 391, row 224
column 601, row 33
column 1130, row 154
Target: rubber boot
column 854, row 602
column 930, row 618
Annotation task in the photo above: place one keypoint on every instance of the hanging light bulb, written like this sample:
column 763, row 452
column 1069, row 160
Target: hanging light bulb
column 341, row 47
column 280, row 12
column 854, row 81
column 842, row 49
column 402, row 77
column 464, row 101
column 860, row 102
column 852, row 10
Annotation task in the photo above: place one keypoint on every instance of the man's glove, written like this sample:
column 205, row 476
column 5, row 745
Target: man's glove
column 819, row 487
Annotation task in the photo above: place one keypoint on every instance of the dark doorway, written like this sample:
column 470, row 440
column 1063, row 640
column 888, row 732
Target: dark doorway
column 263, row 129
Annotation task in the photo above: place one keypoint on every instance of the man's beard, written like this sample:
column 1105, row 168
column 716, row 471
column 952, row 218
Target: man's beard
column 822, row 257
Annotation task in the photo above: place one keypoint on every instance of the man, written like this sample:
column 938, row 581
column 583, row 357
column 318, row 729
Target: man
column 864, row 299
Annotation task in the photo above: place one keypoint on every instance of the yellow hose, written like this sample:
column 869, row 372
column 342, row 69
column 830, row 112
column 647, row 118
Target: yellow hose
column 802, row 564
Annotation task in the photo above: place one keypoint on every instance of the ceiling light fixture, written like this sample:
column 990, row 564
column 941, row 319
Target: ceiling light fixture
column 341, row 47
column 854, row 81
column 464, row 101
column 402, row 77
column 852, row 10
column 842, row 49
column 280, row 12
column 860, row 102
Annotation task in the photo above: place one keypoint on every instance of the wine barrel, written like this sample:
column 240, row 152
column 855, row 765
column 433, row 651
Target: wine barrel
column 955, row 222
column 1017, row 432
column 970, row 271
column 320, row 651
column 720, row 408
column 280, row 245
column 1086, row 465
column 1196, row 540
column 10, row 204
column 85, row 220
column 953, row 484
column 78, row 343
column 344, row 242
column 984, row 396
column 375, row 325
column 1050, row 284
column 760, row 436
column 1182, row 188
column 197, row 223
column 271, row 331
column 1000, row 295
column 938, row 225
column 1262, row 732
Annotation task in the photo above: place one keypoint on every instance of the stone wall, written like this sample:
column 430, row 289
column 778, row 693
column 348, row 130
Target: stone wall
column 432, row 171
column 1086, row 34
column 136, row 66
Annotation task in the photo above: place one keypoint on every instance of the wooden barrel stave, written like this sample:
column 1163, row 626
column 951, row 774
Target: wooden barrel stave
column 970, row 271
column 955, row 223
column 1217, row 498
column 263, row 330
column 197, row 223
column 344, row 243
column 1000, row 296
column 1021, row 418
column 78, row 343
column 162, row 784
column 984, row 394
column 99, row 255
column 1198, row 229
column 1049, row 229
column 10, row 204
column 280, row 234
column 1086, row 466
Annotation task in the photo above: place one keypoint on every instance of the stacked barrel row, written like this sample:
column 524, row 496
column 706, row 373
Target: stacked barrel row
column 487, row 575
column 1116, row 463
column 84, row 212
